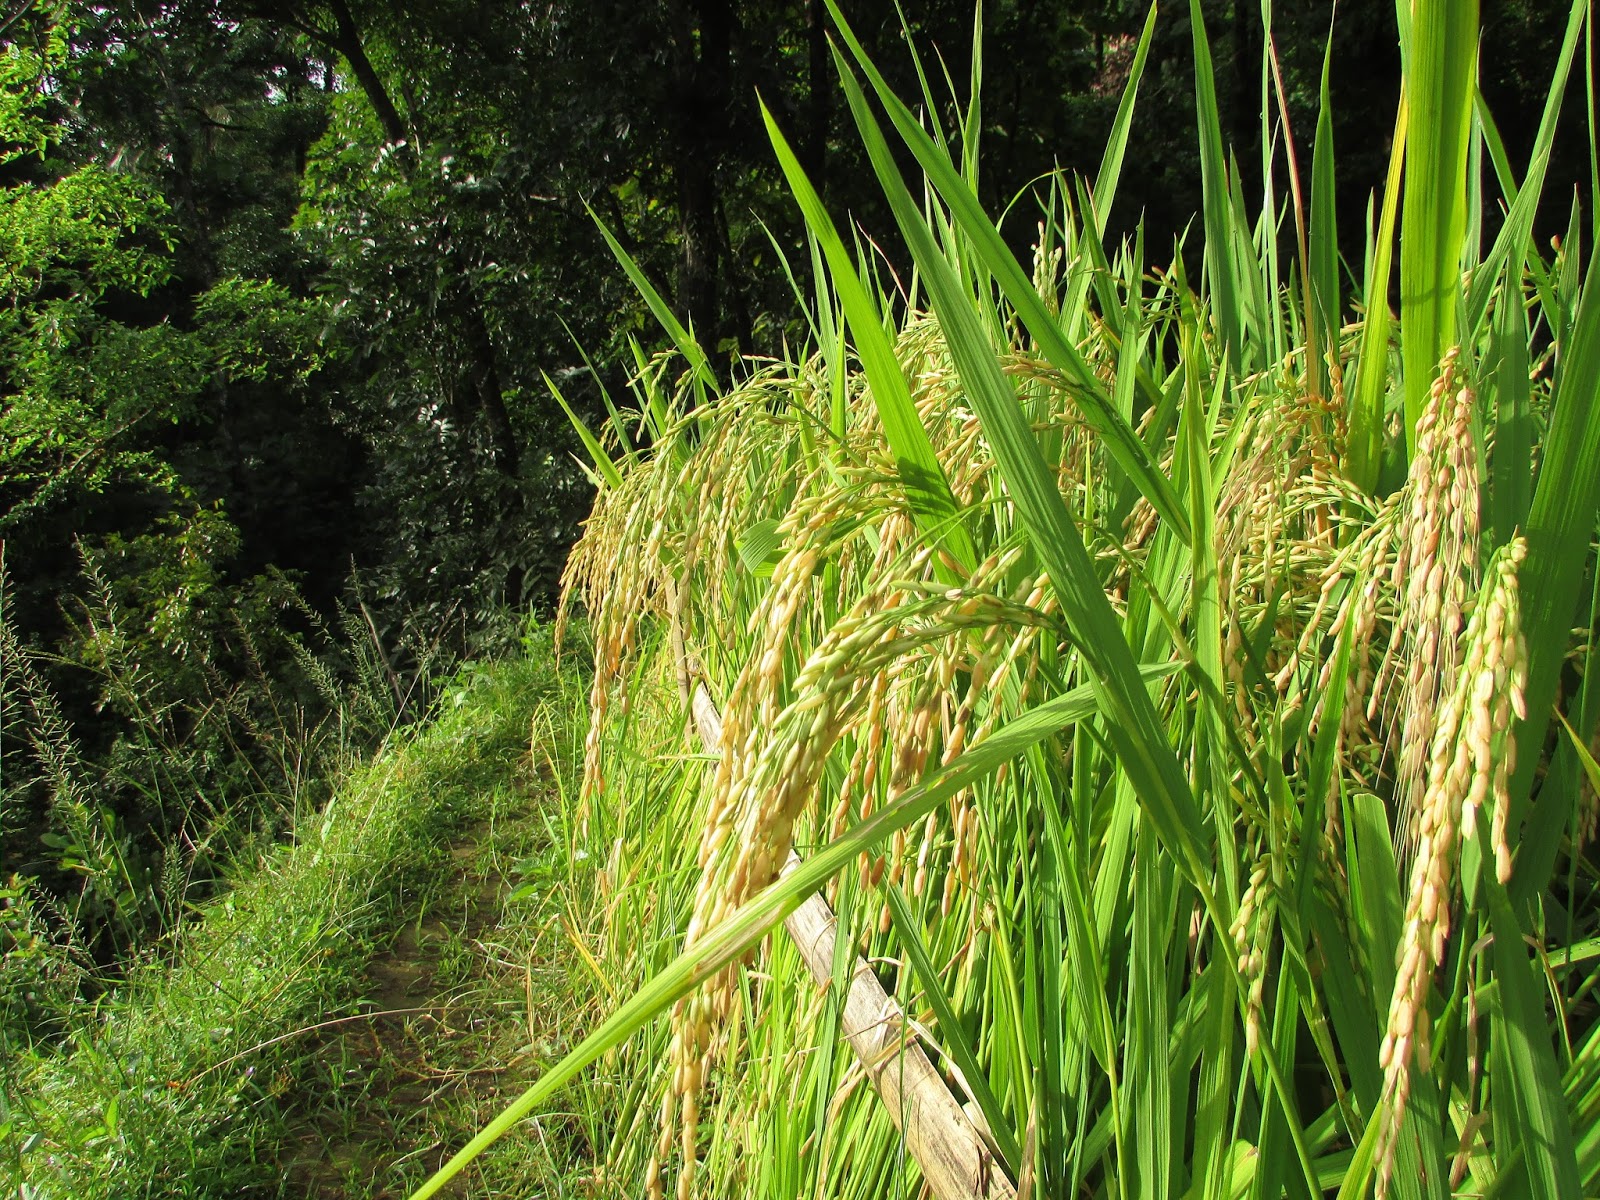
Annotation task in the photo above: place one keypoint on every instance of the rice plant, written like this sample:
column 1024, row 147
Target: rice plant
column 1182, row 699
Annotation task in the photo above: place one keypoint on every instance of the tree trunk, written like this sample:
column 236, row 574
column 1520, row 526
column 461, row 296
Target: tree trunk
column 484, row 374
column 347, row 41
column 743, row 330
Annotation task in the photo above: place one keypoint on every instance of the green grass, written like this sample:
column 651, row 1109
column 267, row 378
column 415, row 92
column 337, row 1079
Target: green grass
column 216, row 1071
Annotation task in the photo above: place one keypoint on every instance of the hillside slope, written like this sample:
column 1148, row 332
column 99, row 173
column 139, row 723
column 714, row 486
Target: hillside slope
column 331, row 1024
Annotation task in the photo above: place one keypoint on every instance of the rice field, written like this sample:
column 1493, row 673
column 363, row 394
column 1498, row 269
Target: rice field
column 1177, row 687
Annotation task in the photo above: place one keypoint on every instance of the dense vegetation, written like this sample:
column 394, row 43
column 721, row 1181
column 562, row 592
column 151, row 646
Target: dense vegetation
column 1160, row 620
column 1180, row 688
column 284, row 286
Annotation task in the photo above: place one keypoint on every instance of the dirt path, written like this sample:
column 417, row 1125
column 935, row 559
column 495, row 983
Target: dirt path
column 459, row 1014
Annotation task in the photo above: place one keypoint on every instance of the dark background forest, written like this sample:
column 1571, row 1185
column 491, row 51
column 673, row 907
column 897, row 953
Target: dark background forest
column 283, row 284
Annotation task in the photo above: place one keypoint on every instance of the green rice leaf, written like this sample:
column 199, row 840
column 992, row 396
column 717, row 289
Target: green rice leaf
column 1227, row 297
column 1517, row 231
column 1110, row 172
column 1591, row 769
column 682, row 338
column 602, row 461
column 1525, row 1064
column 1440, row 82
column 1323, row 268
column 952, row 1035
column 1561, row 524
column 760, row 547
column 1505, row 374
column 967, row 213
column 925, row 481
column 1364, row 454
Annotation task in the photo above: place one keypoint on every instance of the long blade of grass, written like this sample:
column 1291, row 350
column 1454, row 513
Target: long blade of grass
column 1440, row 83
column 1561, row 523
column 966, row 211
column 1526, row 1063
column 1364, row 453
column 1146, row 1072
column 1506, row 375
column 602, row 460
column 1105, row 179
column 1324, row 250
column 953, row 1037
column 1110, row 173
column 926, row 485
column 1227, row 297
column 1518, row 227
column 682, row 338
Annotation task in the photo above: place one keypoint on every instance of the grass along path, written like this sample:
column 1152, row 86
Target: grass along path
column 470, row 999
column 437, row 877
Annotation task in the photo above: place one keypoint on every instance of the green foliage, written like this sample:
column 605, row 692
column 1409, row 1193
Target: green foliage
column 42, row 969
column 1203, row 931
column 156, row 708
column 217, row 724
column 177, row 1084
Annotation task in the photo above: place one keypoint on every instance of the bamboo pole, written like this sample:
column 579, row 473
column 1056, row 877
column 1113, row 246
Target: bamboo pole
column 953, row 1157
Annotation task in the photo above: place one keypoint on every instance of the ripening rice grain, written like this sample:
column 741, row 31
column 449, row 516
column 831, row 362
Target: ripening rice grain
column 1470, row 760
column 1435, row 566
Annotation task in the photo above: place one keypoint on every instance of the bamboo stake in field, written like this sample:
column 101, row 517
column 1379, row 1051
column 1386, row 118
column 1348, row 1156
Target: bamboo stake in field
column 948, row 1149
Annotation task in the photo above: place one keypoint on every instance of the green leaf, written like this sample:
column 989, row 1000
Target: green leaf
column 926, row 485
column 1364, row 456
column 1226, row 288
column 682, row 338
column 1561, row 524
column 1110, row 173
column 951, row 1033
column 1324, row 250
column 1121, row 441
column 1515, row 234
column 602, row 460
column 760, row 547
column 1505, row 373
column 1440, row 83
column 1585, row 759
column 1525, row 1064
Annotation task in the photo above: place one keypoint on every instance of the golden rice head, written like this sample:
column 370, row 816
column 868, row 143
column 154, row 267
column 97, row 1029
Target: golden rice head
column 1251, row 933
column 1470, row 760
column 675, row 518
column 1282, row 512
column 1435, row 565
column 1047, row 271
column 1363, row 617
column 767, row 781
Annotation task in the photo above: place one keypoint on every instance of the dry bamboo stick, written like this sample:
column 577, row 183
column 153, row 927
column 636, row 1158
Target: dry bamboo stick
column 953, row 1157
